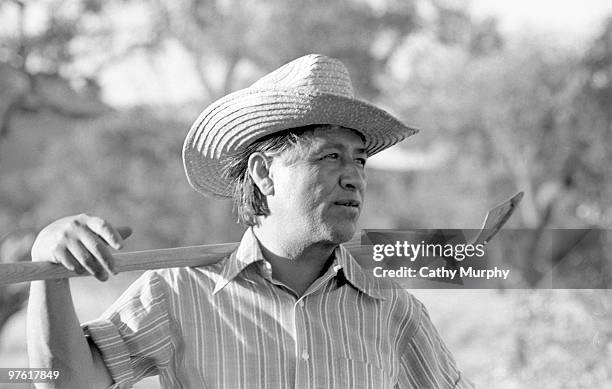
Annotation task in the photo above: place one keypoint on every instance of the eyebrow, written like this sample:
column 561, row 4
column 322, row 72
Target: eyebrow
column 360, row 150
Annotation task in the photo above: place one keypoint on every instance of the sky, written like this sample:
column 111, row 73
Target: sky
column 565, row 19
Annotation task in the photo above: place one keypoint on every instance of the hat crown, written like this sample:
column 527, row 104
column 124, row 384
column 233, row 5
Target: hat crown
column 315, row 73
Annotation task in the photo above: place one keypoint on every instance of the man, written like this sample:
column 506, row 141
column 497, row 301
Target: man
column 290, row 308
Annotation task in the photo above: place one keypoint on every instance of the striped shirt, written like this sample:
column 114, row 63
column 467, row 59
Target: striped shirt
column 231, row 325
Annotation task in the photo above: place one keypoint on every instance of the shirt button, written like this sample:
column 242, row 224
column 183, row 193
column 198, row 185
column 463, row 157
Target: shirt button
column 267, row 268
column 301, row 303
column 305, row 355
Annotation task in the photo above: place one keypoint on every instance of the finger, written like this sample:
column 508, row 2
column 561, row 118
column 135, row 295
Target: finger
column 96, row 246
column 78, row 268
column 87, row 260
column 105, row 231
column 63, row 256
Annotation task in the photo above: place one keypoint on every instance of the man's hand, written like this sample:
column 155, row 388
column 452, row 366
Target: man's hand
column 80, row 243
column 55, row 339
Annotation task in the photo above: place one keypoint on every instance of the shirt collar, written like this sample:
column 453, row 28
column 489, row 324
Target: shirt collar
column 249, row 252
column 355, row 275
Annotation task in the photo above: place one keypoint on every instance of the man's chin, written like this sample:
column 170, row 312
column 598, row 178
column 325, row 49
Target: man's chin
column 342, row 234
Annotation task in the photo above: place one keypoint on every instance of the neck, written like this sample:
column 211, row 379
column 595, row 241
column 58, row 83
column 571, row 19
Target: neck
column 295, row 263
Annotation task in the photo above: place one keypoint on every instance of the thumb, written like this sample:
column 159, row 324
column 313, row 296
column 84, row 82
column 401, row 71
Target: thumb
column 124, row 231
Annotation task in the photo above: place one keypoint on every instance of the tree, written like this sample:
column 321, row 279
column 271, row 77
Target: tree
column 233, row 41
column 593, row 113
column 35, row 67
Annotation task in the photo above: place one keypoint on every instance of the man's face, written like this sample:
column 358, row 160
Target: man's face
column 319, row 189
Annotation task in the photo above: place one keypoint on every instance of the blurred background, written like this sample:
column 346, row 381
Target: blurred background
column 97, row 96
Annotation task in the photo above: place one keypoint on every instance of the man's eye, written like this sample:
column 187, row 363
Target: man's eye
column 332, row 156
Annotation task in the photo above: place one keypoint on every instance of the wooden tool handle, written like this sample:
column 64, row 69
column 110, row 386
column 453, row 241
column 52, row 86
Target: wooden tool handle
column 12, row 273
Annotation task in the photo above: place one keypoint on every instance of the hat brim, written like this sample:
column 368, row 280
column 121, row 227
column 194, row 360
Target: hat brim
column 237, row 120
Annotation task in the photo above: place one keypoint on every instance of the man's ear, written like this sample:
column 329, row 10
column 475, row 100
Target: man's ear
column 259, row 169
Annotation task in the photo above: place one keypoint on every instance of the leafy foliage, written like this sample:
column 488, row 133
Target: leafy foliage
column 128, row 168
column 500, row 115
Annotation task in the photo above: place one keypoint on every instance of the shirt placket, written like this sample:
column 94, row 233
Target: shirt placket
column 305, row 363
column 303, row 353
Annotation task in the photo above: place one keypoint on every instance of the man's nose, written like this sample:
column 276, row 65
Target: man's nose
column 353, row 177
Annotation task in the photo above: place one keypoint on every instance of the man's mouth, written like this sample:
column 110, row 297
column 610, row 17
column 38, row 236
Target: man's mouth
column 348, row 203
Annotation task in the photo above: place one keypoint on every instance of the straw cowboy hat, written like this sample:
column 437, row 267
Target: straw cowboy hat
column 313, row 89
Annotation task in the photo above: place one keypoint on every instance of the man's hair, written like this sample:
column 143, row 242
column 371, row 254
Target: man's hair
column 249, row 202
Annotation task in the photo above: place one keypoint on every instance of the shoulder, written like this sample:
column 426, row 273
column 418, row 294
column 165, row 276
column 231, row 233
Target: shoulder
column 173, row 280
column 401, row 305
column 387, row 289
column 405, row 309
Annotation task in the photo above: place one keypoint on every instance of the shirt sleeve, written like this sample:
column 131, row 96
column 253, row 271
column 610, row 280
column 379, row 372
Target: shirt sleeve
column 426, row 362
column 134, row 335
